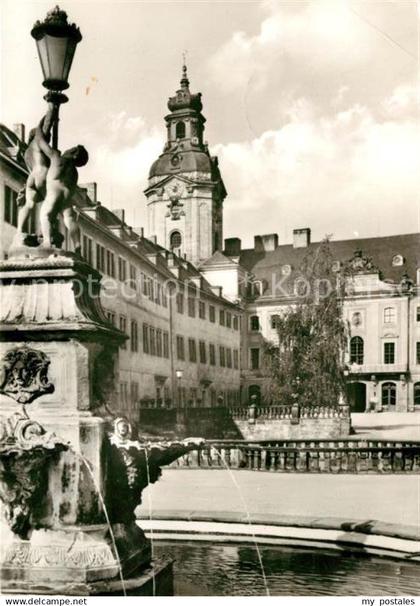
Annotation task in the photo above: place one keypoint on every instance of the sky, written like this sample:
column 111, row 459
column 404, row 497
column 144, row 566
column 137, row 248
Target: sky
column 312, row 107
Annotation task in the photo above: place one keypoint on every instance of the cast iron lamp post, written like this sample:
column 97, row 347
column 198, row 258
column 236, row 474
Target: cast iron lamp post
column 56, row 41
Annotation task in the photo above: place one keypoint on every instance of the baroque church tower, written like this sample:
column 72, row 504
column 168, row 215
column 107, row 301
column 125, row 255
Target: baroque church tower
column 185, row 192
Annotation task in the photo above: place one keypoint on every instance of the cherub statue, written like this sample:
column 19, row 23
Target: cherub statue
column 52, row 180
column 38, row 164
column 61, row 183
column 133, row 465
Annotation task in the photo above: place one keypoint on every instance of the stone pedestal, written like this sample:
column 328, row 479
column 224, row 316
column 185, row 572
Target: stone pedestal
column 58, row 354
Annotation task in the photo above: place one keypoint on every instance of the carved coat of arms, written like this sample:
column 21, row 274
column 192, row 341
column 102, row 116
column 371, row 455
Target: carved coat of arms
column 24, row 375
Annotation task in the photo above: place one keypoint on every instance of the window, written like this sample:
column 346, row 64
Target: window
column 390, row 315
column 273, row 321
column 235, row 323
column 180, row 130
column 150, row 289
column 110, row 263
column 144, row 284
column 255, row 358
column 164, row 296
column 418, row 314
column 202, row 349
column 222, row 357
column 228, row 319
column 222, row 317
column 122, row 269
column 418, row 352
column 152, row 337
column 158, row 293
column 133, row 277
column 202, row 310
column 212, row 354
column 356, row 350
column 180, row 352
column 134, row 392
column 87, row 249
column 146, row 346
column 166, row 345
column 100, row 258
column 180, row 303
column 123, row 327
column 10, row 206
column 254, row 323
column 235, row 359
column 389, row 353
column 192, row 350
column 416, row 394
column 212, row 313
column 191, row 307
column 389, row 394
column 159, row 343
column 228, row 357
column 134, row 333
column 175, row 240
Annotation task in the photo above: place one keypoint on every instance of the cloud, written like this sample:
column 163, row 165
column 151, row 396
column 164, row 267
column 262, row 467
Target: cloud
column 325, row 51
column 121, row 163
column 326, row 173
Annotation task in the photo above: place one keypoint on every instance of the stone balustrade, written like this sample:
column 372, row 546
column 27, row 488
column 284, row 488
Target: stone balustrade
column 266, row 413
column 308, row 456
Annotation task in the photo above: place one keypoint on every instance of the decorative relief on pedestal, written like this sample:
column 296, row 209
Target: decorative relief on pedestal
column 25, row 448
column 24, row 375
column 25, row 555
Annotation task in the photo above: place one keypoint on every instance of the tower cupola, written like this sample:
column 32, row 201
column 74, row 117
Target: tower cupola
column 186, row 191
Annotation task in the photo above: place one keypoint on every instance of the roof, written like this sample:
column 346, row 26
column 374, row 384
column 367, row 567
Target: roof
column 271, row 266
column 218, row 259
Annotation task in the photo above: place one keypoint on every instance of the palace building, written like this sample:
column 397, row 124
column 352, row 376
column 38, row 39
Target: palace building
column 198, row 310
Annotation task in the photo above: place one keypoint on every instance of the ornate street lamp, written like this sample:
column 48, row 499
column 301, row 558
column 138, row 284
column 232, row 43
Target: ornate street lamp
column 56, row 41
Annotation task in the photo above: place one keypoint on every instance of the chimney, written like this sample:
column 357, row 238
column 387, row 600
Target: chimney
column 153, row 239
column 233, row 247
column 266, row 243
column 301, row 237
column 91, row 190
column 19, row 130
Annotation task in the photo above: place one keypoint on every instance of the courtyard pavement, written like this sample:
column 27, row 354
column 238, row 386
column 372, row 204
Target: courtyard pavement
column 392, row 499
column 383, row 425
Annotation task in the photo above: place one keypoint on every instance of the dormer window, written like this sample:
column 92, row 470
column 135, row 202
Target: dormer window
column 398, row 260
column 180, row 130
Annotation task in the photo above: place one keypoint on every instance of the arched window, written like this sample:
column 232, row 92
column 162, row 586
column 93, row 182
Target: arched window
column 390, row 315
column 180, row 130
column 255, row 323
column 416, row 394
column 389, row 394
column 356, row 350
column 176, row 240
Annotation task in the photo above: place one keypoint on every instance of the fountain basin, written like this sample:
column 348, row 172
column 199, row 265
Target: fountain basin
column 227, row 569
column 370, row 537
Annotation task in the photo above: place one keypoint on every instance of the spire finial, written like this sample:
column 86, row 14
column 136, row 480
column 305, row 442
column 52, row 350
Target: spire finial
column 184, row 79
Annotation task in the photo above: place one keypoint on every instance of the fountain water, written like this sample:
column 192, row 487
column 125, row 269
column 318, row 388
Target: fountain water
column 248, row 517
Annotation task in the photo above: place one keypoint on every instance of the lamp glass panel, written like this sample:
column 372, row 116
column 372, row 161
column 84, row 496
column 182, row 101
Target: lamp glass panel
column 56, row 56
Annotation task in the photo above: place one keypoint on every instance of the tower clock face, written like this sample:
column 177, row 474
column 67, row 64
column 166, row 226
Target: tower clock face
column 175, row 160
